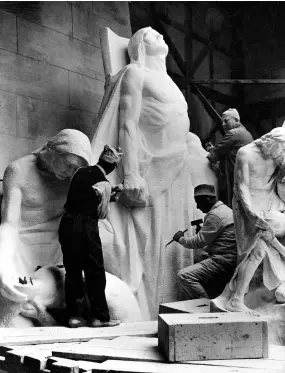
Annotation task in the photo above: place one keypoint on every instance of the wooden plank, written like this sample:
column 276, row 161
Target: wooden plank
column 26, row 336
column 253, row 364
column 57, row 364
column 64, row 366
column 118, row 366
column 208, row 336
column 36, row 357
column 97, row 353
column 187, row 306
column 68, row 53
column 32, row 78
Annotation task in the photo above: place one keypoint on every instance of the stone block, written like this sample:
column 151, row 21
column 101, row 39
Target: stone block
column 55, row 15
column 40, row 120
column 13, row 148
column 207, row 336
column 117, row 11
column 41, row 43
column 28, row 77
column 86, row 26
column 8, row 104
column 8, row 34
column 187, row 306
column 84, row 4
column 85, row 93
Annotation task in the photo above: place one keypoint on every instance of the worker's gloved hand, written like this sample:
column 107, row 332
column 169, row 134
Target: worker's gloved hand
column 208, row 146
column 177, row 236
column 115, row 193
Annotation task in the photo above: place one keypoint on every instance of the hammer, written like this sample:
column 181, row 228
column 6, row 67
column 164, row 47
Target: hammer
column 197, row 223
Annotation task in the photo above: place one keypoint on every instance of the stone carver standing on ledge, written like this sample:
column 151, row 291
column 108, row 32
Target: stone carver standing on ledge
column 87, row 201
column 34, row 192
column 225, row 151
column 145, row 114
column 208, row 278
column 258, row 207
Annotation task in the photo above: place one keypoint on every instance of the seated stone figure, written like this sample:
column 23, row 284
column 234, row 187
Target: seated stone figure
column 34, row 192
column 258, row 207
column 145, row 113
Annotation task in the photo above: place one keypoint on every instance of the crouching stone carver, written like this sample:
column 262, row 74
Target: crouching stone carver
column 87, row 201
column 208, row 278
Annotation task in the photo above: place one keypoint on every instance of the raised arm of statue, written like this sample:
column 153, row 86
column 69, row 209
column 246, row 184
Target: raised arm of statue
column 135, row 189
column 10, row 215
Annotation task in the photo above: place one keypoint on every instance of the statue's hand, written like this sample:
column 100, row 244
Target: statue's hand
column 135, row 192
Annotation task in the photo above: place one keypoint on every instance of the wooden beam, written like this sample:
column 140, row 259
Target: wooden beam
column 266, row 109
column 195, row 36
column 200, row 58
column 207, row 104
column 237, row 81
column 172, row 47
column 211, row 94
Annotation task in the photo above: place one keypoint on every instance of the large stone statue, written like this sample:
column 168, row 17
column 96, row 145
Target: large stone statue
column 145, row 114
column 34, row 192
column 258, row 207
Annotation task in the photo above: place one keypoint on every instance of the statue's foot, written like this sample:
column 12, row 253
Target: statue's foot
column 219, row 304
column 235, row 305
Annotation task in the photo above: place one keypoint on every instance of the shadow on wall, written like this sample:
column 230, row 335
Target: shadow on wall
column 30, row 9
column 79, row 120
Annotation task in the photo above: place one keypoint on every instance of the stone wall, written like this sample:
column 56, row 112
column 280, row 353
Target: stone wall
column 51, row 71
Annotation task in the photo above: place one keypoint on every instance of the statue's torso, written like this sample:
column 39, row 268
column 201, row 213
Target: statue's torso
column 43, row 197
column 262, row 192
column 164, row 117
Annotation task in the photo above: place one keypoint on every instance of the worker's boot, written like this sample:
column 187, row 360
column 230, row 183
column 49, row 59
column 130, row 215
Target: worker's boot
column 77, row 322
column 95, row 323
column 78, row 314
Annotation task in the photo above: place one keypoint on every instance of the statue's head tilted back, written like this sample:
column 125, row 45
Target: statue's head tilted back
column 146, row 41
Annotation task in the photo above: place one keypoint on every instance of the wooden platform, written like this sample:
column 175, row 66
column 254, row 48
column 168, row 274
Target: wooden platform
column 128, row 348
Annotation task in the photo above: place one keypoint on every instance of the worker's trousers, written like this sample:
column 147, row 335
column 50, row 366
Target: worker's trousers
column 206, row 279
column 82, row 253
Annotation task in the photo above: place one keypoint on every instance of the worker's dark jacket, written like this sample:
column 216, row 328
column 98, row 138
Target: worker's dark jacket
column 217, row 235
column 81, row 244
column 225, row 152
